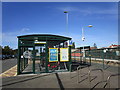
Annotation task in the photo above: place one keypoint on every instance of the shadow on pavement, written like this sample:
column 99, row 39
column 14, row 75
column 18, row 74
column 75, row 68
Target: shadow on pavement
column 25, row 80
column 59, row 81
column 98, row 84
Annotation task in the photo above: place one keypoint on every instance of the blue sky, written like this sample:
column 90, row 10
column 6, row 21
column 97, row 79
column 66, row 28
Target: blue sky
column 23, row 18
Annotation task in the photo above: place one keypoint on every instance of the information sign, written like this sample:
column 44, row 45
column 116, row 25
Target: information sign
column 53, row 54
column 64, row 55
column 70, row 43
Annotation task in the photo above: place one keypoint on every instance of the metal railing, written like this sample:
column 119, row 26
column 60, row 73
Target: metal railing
column 89, row 78
column 108, row 79
column 79, row 71
column 109, row 53
column 71, row 69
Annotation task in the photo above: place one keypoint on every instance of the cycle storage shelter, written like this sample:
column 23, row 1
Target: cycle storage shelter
column 43, row 53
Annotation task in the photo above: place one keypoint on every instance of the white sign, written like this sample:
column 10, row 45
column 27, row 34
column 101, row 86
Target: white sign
column 70, row 42
column 64, row 54
column 117, row 53
column 39, row 42
column 27, row 54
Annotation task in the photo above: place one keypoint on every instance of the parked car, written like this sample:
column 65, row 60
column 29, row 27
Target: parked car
column 2, row 57
column 7, row 56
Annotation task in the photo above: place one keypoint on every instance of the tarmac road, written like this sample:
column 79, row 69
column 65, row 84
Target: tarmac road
column 8, row 63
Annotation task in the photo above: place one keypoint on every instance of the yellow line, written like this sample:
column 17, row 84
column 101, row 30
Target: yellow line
column 15, row 74
column 9, row 70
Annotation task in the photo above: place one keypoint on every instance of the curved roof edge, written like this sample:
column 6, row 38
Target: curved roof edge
column 69, row 38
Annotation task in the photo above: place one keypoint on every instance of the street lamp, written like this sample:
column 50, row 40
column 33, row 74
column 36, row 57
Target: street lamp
column 66, row 12
column 83, row 39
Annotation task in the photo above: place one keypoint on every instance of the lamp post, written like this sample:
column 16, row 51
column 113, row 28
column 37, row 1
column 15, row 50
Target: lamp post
column 83, row 39
column 66, row 12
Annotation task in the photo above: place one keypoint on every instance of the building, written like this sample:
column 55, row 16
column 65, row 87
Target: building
column 114, row 46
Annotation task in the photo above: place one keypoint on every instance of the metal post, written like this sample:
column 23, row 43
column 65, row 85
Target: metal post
column 46, row 51
column 90, row 57
column 19, row 57
column 103, row 59
column 70, row 61
column 83, row 38
column 66, row 12
column 24, row 58
column 27, row 58
column 78, row 73
column 89, row 78
column 108, row 79
column 74, row 56
column 70, row 69
column 22, row 64
column 67, row 23
column 40, row 52
column 80, row 56
column 63, row 45
column 34, row 59
column 85, row 58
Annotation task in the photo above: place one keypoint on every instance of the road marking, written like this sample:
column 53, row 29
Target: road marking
column 10, row 72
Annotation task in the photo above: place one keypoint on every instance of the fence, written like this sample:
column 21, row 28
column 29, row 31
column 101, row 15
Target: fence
column 106, row 57
column 109, row 53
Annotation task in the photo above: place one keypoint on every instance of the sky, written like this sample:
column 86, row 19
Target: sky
column 23, row 18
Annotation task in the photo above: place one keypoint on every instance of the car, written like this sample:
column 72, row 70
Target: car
column 7, row 56
column 2, row 57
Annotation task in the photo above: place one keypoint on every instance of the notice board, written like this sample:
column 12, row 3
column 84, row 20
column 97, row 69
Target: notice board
column 53, row 54
column 64, row 55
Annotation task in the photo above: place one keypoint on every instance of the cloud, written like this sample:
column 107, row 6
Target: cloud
column 25, row 29
column 10, row 38
column 68, row 8
column 90, row 10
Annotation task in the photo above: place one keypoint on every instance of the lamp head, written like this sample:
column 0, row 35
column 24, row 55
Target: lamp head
column 90, row 26
column 65, row 11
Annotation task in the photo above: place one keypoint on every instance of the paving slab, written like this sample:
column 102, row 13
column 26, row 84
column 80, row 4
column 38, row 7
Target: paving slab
column 62, row 80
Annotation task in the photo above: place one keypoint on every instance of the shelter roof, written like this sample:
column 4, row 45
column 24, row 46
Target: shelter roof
column 51, row 39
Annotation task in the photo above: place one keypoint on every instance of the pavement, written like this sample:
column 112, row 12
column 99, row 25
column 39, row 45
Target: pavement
column 10, row 72
column 64, row 80
column 9, row 68
column 8, row 63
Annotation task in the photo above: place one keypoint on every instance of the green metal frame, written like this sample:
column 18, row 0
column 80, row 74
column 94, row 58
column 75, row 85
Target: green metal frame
column 26, row 41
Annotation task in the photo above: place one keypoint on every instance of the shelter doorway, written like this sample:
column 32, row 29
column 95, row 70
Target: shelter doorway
column 40, row 59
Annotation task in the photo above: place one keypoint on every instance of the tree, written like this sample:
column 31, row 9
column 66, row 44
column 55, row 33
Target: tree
column 73, row 45
column 1, row 50
column 15, row 51
column 95, row 45
column 7, row 50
